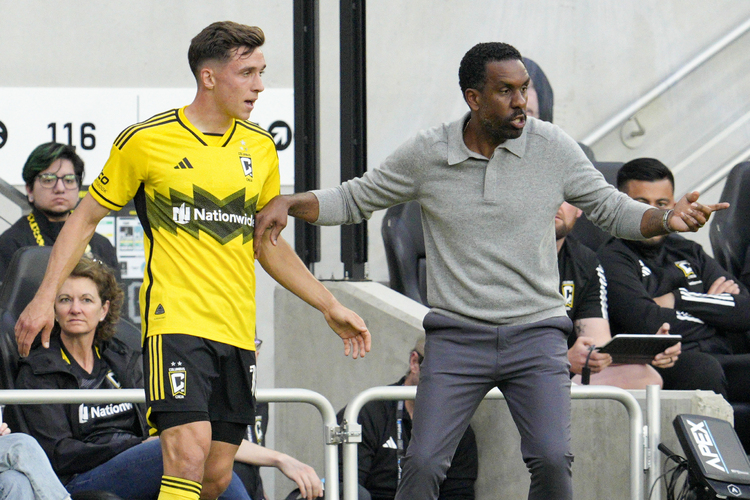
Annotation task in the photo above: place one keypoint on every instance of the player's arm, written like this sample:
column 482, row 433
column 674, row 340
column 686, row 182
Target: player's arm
column 688, row 215
column 67, row 251
column 308, row 482
column 283, row 264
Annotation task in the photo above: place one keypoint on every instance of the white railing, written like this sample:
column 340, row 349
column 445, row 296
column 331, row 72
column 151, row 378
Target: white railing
column 350, row 427
column 105, row 396
column 351, row 433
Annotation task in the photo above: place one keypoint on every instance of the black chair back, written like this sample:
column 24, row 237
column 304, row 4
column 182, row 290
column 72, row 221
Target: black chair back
column 404, row 250
column 730, row 229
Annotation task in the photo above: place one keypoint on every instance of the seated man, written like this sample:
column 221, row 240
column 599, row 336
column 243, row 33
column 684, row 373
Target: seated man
column 671, row 279
column 381, row 451
column 25, row 472
column 53, row 174
column 584, row 288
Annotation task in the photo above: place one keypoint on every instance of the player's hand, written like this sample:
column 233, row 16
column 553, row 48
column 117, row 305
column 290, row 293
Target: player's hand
column 308, row 482
column 689, row 215
column 580, row 350
column 723, row 285
column 38, row 316
column 272, row 217
column 4, row 429
column 351, row 328
column 669, row 357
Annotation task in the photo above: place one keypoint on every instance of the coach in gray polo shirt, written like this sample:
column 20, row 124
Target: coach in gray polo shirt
column 489, row 186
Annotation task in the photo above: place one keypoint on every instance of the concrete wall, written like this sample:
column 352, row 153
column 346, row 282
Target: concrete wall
column 600, row 438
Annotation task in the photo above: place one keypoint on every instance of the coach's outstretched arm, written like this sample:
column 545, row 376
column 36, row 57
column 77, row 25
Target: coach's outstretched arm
column 282, row 263
column 273, row 217
column 39, row 315
column 687, row 215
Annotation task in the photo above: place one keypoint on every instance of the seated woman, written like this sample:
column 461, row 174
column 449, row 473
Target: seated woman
column 94, row 446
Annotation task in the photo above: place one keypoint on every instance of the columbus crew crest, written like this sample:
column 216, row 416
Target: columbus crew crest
column 178, row 381
column 247, row 165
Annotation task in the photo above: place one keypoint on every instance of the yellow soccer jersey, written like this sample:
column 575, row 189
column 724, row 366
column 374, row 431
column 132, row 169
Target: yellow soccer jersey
column 196, row 196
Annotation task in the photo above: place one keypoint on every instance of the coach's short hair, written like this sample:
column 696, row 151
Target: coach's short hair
column 643, row 169
column 473, row 69
column 219, row 40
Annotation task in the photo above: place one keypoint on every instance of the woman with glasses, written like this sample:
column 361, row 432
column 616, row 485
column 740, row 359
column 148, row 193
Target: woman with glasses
column 53, row 174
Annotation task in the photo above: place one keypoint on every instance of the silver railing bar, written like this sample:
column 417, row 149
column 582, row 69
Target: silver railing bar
column 106, row 396
column 678, row 75
column 577, row 392
column 721, row 173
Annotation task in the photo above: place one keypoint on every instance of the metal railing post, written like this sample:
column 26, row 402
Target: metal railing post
column 653, row 417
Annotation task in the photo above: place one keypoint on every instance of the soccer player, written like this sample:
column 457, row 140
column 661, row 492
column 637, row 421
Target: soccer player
column 198, row 175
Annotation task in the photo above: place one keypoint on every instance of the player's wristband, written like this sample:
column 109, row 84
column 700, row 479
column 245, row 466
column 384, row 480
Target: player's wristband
column 665, row 221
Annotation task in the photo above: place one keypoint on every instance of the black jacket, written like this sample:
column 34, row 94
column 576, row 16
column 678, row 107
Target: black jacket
column 20, row 235
column 637, row 273
column 377, row 454
column 57, row 427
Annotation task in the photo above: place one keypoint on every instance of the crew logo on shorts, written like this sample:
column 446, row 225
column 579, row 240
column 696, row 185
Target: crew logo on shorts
column 178, row 380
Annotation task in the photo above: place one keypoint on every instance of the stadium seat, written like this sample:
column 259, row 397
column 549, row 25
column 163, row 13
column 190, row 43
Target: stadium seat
column 730, row 229
column 404, row 250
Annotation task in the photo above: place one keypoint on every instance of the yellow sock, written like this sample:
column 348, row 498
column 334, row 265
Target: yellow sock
column 175, row 488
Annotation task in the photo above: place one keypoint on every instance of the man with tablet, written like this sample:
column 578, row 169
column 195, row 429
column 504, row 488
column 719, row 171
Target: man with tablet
column 671, row 279
column 584, row 287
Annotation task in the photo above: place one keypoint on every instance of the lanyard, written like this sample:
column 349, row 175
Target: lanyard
column 35, row 229
column 399, row 438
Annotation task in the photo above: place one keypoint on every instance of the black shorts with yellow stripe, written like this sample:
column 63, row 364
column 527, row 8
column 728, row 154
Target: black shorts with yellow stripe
column 190, row 379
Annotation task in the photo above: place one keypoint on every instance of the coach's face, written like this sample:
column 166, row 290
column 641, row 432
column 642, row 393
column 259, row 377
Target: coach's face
column 237, row 83
column 500, row 106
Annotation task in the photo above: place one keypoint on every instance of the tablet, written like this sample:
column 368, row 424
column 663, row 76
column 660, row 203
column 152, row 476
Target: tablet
column 637, row 349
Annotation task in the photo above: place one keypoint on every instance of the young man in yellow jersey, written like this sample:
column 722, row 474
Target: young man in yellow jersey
column 198, row 176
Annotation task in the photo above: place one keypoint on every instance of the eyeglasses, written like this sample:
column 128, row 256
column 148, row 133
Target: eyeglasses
column 258, row 343
column 49, row 180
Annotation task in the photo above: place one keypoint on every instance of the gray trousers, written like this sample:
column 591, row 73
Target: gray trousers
column 463, row 361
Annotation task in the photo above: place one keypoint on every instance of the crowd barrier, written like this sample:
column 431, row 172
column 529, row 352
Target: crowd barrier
column 349, row 433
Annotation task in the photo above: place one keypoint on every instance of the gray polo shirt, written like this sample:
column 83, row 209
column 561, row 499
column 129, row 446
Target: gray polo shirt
column 489, row 225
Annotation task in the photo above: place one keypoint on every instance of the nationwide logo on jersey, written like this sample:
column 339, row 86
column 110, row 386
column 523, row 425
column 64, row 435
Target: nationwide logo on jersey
column 86, row 413
column 686, row 269
column 568, row 292
column 247, row 164
column 178, row 380
column 222, row 219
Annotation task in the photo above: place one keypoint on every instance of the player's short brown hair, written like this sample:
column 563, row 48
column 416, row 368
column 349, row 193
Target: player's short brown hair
column 218, row 42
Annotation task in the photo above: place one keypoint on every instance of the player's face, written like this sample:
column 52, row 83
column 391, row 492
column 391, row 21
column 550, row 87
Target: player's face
column 658, row 194
column 502, row 102
column 78, row 307
column 238, row 83
column 58, row 200
column 565, row 219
